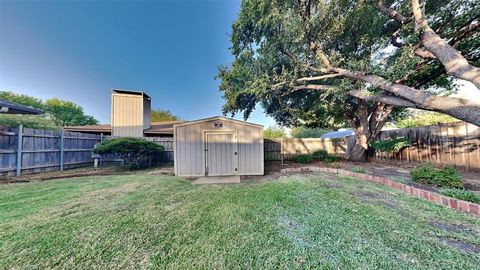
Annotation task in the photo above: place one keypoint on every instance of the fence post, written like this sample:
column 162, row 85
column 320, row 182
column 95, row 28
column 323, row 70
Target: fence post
column 101, row 156
column 62, row 148
column 281, row 150
column 19, row 149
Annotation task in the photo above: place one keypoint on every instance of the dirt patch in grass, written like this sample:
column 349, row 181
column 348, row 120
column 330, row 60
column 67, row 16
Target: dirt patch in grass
column 458, row 228
column 102, row 194
column 466, row 247
column 293, row 231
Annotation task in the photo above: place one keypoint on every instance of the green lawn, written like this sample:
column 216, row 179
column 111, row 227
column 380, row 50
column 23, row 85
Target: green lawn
column 305, row 221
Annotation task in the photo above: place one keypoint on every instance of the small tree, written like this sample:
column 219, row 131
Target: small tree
column 67, row 113
column 135, row 152
column 274, row 132
column 160, row 115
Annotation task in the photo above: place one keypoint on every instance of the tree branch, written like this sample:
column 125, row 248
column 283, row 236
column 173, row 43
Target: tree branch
column 391, row 13
column 453, row 61
column 382, row 98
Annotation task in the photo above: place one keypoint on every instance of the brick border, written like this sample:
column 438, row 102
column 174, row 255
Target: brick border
column 434, row 197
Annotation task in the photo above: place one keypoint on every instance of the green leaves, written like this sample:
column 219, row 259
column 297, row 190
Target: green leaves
column 58, row 113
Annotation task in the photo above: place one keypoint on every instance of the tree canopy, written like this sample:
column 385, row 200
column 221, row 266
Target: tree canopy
column 58, row 113
column 274, row 132
column 304, row 132
column 422, row 118
column 159, row 115
column 323, row 64
column 67, row 113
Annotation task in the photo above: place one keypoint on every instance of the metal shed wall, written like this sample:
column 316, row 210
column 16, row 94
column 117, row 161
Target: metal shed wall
column 190, row 146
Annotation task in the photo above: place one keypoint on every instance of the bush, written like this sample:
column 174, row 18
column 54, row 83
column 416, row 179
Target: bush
column 445, row 177
column 391, row 145
column 461, row 195
column 137, row 153
column 320, row 154
column 323, row 155
column 304, row 159
column 330, row 159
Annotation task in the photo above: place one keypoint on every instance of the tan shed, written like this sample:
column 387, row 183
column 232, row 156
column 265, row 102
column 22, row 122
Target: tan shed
column 218, row 146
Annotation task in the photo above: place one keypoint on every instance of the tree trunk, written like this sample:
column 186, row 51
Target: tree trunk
column 358, row 152
column 366, row 124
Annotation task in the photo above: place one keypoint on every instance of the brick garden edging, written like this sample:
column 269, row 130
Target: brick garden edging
column 463, row 206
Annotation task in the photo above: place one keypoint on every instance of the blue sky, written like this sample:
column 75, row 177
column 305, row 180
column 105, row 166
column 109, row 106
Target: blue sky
column 80, row 50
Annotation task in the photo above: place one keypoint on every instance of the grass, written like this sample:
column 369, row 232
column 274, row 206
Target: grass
column 306, row 221
column 359, row 170
column 461, row 194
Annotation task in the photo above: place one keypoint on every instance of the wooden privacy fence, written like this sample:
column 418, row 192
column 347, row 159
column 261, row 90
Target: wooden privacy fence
column 26, row 150
column 289, row 148
column 454, row 144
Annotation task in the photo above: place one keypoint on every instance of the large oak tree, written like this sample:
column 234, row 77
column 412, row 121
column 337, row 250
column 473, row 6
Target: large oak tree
column 323, row 63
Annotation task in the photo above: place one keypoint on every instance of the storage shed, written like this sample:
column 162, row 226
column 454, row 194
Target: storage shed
column 218, row 146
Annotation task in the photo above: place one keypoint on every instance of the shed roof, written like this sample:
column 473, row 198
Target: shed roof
column 130, row 92
column 217, row 118
column 7, row 107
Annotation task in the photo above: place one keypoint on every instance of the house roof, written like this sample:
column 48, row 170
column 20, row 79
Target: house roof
column 7, row 107
column 164, row 127
column 216, row 118
column 90, row 128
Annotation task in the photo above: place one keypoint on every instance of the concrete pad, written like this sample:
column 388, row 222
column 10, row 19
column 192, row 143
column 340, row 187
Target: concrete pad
column 231, row 179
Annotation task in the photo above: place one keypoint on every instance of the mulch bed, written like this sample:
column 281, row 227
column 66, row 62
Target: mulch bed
column 397, row 171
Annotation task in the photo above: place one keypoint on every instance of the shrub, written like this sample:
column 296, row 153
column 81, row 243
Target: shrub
column 323, row 155
column 445, row 177
column 137, row 153
column 330, row 159
column 320, row 154
column 304, row 159
column 391, row 145
column 461, row 195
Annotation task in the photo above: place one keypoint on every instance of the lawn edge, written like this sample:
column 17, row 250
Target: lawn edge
column 431, row 196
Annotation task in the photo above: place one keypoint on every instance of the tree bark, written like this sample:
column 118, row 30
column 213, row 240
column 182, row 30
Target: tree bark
column 366, row 124
column 463, row 109
column 453, row 61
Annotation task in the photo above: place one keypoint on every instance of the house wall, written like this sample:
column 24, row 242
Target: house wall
column 130, row 114
column 190, row 154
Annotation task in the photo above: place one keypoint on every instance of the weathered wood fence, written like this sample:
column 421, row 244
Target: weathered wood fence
column 26, row 150
column 454, row 144
column 289, row 148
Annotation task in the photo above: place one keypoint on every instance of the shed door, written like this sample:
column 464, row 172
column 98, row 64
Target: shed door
column 220, row 154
